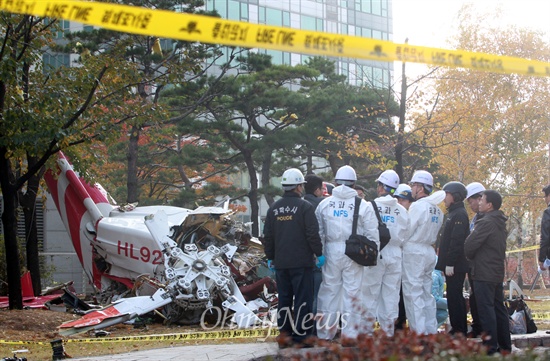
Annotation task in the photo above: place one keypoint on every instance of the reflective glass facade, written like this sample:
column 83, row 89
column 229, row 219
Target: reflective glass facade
column 367, row 18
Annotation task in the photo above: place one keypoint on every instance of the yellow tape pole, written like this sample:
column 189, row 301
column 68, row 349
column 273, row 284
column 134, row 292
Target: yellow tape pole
column 190, row 27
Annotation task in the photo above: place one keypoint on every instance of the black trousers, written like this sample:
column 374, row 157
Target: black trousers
column 493, row 315
column 402, row 316
column 295, row 318
column 456, row 303
column 476, row 324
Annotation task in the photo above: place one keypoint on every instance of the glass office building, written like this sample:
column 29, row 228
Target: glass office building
column 366, row 18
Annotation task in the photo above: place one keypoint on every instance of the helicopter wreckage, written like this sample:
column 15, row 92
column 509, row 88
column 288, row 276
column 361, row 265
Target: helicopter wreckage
column 182, row 263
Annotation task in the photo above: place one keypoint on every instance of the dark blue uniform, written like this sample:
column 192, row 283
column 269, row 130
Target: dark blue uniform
column 451, row 253
column 291, row 239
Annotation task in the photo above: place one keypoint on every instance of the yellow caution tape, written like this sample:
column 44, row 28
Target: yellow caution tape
column 541, row 316
column 530, row 248
column 200, row 28
column 193, row 336
column 212, row 335
column 5, row 342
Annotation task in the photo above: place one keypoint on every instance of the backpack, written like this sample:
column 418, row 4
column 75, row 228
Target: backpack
column 358, row 247
column 383, row 231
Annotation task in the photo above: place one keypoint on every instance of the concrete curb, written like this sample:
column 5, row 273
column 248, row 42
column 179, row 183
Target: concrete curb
column 537, row 339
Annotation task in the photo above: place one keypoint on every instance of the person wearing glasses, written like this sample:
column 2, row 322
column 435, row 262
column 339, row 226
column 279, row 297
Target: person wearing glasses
column 475, row 190
column 419, row 254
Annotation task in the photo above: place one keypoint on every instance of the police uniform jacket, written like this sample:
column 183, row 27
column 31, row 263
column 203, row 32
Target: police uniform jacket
column 486, row 247
column 291, row 233
column 451, row 248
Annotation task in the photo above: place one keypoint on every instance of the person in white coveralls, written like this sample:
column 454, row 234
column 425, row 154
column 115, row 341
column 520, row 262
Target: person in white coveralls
column 419, row 254
column 340, row 292
column 381, row 283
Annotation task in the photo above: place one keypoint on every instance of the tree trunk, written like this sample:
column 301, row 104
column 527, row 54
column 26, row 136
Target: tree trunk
column 253, row 193
column 519, row 242
column 266, row 176
column 9, row 221
column 32, row 249
column 401, row 128
column 132, row 181
column 27, row 201
column 309, row 163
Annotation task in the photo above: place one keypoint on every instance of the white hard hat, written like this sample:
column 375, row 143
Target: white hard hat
column 474, row 188
column 424, row 177
column 389, row 178
column 292, row 177
column 346, row 175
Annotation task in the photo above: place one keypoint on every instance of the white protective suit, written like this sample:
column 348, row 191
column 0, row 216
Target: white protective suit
column 419, row 262
column 381, row 283
column 340, row 291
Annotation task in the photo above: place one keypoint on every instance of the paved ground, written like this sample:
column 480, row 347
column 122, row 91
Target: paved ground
column 233, row 352
column 249, row 351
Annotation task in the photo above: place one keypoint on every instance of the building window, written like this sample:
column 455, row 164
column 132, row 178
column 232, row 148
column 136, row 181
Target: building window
column 344, row 29
column 244, row 12
column 378, row 77
column 261, row 14
column 311, row 23
column 384, row 6
column 362, row 5
column 64, row 25
column 286, row 19
column 221, row 7
column 54, row 61
column 376, row 7
column 274, row 17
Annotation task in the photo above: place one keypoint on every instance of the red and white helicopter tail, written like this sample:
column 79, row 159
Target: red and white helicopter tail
column 81, row 206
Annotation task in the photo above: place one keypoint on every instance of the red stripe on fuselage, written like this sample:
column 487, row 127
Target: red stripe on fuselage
column 75, row 210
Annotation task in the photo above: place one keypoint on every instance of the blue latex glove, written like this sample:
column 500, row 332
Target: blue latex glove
column 320, row 261
column 270, row 265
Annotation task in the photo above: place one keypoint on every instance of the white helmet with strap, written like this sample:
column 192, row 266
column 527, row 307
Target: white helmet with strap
column 389, row 178
column 291, row 178
column 424, row 177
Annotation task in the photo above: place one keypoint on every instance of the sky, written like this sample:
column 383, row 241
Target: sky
column 431, row 22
